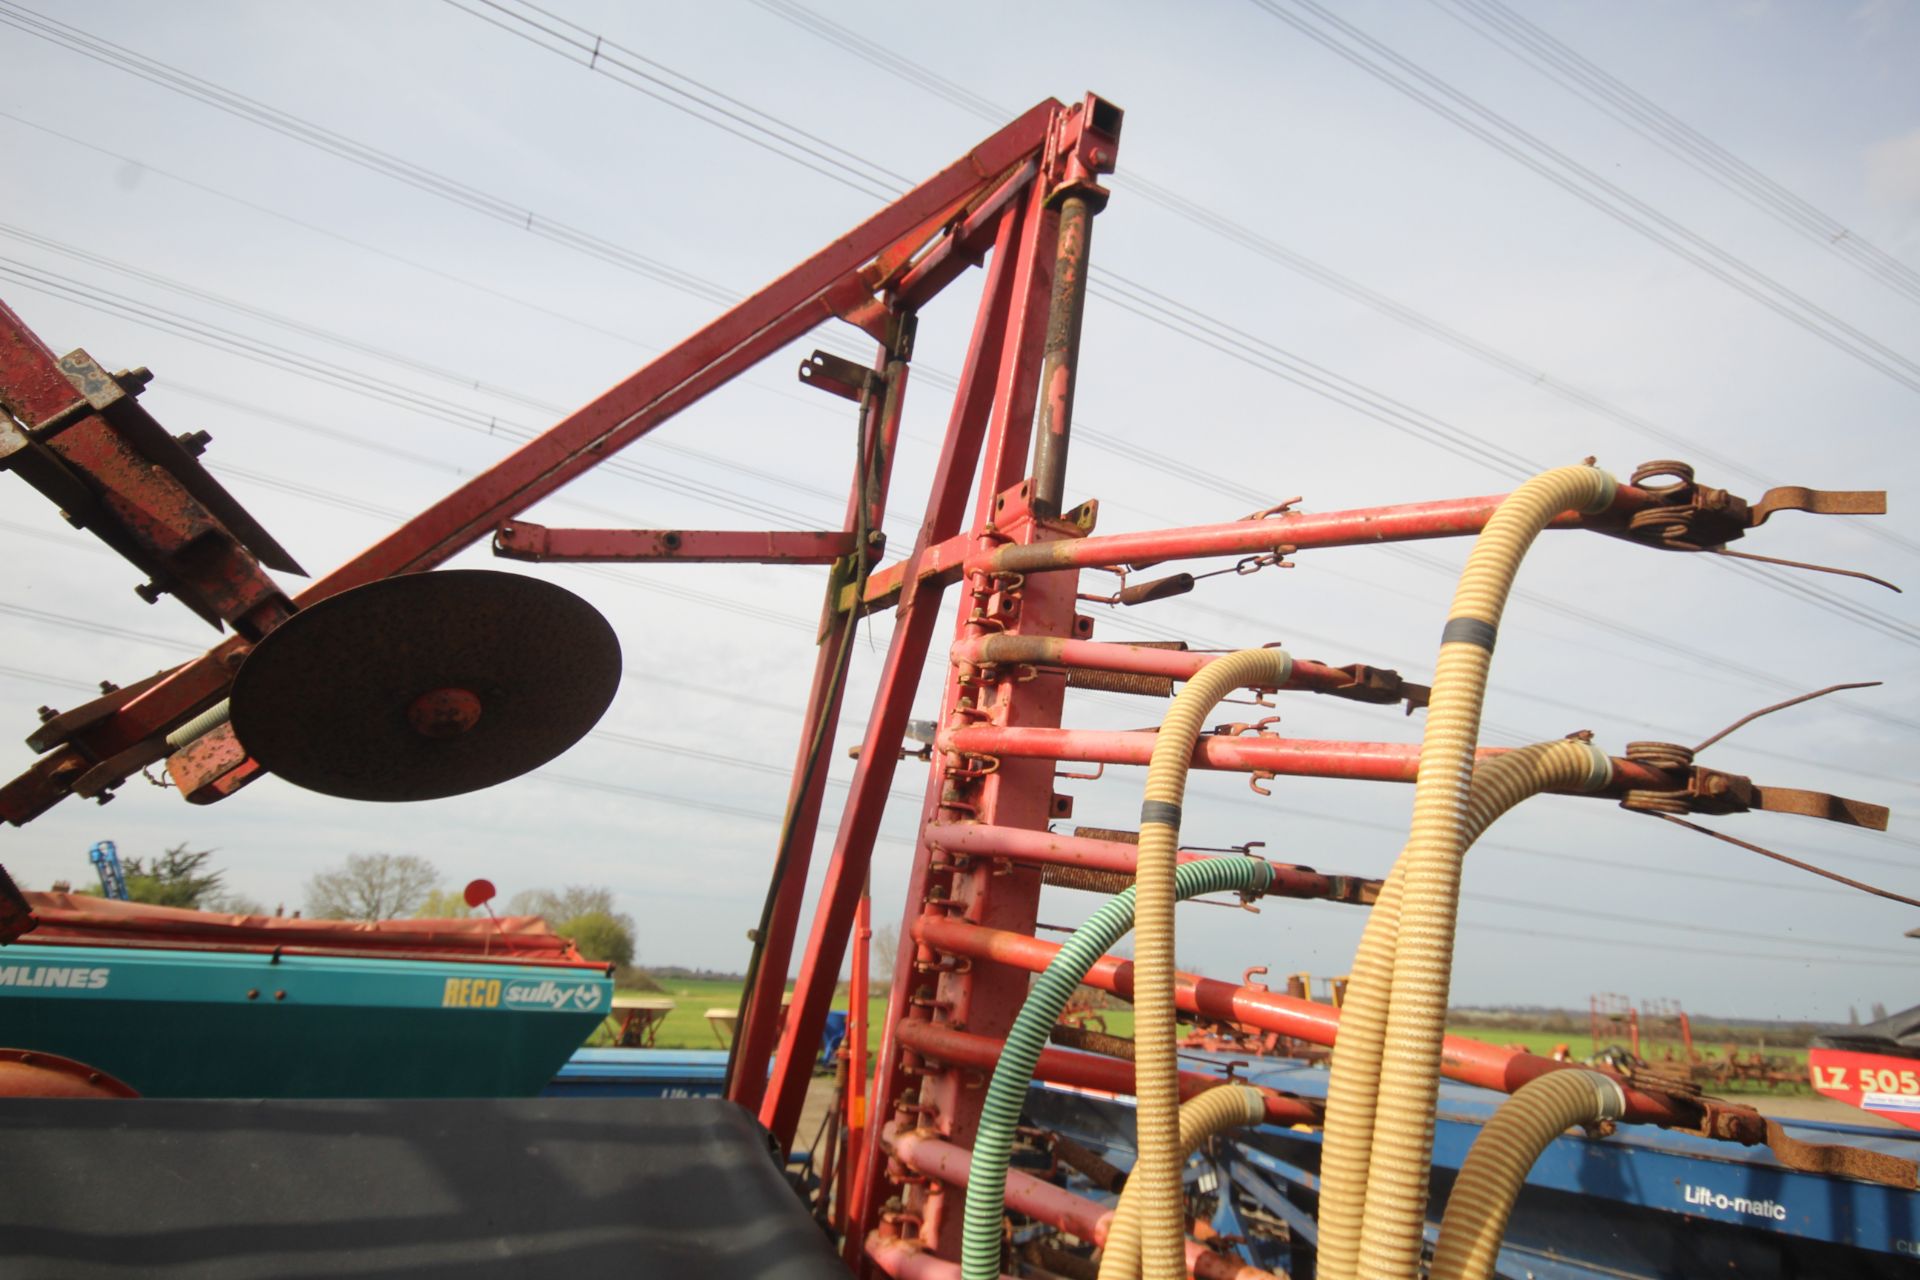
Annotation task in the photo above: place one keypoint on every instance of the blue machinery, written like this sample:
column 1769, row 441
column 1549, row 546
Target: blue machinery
column 1639, row 1204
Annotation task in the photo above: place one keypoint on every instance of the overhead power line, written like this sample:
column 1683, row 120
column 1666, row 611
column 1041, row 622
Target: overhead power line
column 1401, row 74
column 1566, row 67
column 1470, row 927
column 1213, row 220
column 1264, row 498
column 665, row 85
column 1198, row 326
column 368, row 157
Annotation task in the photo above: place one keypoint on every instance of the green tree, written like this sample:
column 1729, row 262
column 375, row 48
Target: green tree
column 564, row 904
column 444, row 904
column 372, row 886
column 584, row 913
column 177, row 878
column 600, row 936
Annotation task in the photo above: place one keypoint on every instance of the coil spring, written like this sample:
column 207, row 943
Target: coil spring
column 1090, row 879
column 1669, row 757
column 1670, row 524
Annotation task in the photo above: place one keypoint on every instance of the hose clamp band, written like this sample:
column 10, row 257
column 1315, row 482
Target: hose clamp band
column 1601, row 772
column 1608, row 489
column 1469, row 631
column 1160, row 811
column 1612, row 1098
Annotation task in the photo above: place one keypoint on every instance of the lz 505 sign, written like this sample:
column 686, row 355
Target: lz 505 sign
column 1884, row 1085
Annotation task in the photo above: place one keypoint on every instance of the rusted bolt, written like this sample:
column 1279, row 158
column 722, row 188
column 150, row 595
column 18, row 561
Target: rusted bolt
column 444, row 713
column 104, row 798
column 150, row 592
column 47, row 713
column 281, row 994
column 194, row 442
column 108, row 686
column 253, row 993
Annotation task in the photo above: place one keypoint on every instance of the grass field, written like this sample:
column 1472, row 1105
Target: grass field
column 686, row 1027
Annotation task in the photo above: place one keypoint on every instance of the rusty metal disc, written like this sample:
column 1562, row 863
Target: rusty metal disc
column 426, row 685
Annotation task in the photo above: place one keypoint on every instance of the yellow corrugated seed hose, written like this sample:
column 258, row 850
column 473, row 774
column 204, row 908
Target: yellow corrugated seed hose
column 1346, row 1147
column 1163, row 1223
column 1390, row 1235
column 1490, row 1177
column 1224, row 1107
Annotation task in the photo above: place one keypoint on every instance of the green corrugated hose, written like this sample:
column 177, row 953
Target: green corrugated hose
column 1007, row 1093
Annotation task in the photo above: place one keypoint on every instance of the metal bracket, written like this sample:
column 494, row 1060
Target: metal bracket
column 1711, row 791
column 1695, row 517
column 1819, row 502
column 842, row 377
column 1841, row 1162
column 1381, row 685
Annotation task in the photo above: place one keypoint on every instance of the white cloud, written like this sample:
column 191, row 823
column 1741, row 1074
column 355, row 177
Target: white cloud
column 1893, row 173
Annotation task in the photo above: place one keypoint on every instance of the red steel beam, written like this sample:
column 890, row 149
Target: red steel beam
column 1295, row 757
column 1085, row 1070
column 907, row 651
column 1469, row 1061
column 1300, row 530
column 1056, row 1206
column 827, row 284
column 760, row 1021
column 522, row 540
column 1028, row 845
column 992, row 344
column 987, row 999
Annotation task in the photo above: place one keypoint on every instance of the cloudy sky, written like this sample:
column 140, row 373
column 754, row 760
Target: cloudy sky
column 1397, row 259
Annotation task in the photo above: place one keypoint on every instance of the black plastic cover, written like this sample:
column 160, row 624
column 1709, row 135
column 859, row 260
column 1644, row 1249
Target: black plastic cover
column 473, row 1189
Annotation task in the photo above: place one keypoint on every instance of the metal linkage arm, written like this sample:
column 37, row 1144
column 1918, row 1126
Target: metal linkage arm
column 79, row 435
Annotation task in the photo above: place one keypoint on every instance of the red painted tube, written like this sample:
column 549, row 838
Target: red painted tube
column 524, row 540
column 1083, row 1070
column 1296, row 757
column 1469, row 1061
column 906, row 1261
column 1026, row 845
column 857, row 1005
column 1453, row 517
column 1095, row 655
column 1055, row 1206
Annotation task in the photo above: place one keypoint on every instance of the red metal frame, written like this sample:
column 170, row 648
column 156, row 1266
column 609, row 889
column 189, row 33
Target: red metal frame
column 1021, row 205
